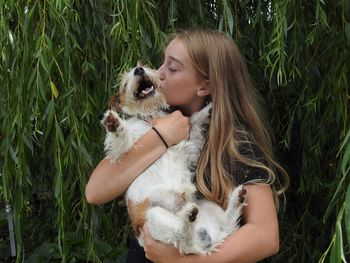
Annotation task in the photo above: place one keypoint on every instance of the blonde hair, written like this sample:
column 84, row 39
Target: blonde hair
column 235, row 111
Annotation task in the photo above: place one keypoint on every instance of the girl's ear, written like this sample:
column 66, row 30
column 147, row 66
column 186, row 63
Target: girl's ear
column 204, row 89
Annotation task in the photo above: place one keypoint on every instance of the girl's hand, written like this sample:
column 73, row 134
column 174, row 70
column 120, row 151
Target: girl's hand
column 157, row 251
column 174, row 127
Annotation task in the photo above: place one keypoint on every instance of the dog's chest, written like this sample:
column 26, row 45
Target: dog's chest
column 171, row 171
column 137, row 127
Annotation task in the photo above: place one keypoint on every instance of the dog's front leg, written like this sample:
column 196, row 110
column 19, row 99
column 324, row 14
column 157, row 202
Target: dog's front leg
column 199, row 123
column 202, row 117
column 118, row 138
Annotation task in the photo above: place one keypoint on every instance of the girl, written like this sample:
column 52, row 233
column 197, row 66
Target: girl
column 201, row 66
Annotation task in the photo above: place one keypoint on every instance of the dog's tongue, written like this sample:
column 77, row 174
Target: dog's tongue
column 147, row 90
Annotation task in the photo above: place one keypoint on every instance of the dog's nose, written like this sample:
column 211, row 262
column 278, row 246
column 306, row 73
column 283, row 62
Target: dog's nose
column 139, row 71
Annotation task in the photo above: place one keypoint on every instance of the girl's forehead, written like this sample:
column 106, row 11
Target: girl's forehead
column 177, row 51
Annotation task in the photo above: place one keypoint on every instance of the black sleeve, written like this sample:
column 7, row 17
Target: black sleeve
column 244, row 173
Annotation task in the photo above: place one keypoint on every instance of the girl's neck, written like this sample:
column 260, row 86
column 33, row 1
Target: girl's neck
column 192, row 107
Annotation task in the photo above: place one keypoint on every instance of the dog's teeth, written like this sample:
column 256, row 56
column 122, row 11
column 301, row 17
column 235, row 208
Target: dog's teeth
column 148, row 90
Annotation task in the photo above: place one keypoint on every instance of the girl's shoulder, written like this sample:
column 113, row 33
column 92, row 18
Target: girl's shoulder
column 252, row 166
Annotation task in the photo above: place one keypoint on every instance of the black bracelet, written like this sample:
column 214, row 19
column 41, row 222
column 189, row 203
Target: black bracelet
column 160, row 136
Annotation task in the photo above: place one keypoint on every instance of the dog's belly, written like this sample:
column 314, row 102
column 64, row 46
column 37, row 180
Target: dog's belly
column 170, row 173
column 167, row 175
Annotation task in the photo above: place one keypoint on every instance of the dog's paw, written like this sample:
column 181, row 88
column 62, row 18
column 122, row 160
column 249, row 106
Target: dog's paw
column 237, row 197
column 110, row 121
column 188, row 213
column 242, row 195
column 192, row 214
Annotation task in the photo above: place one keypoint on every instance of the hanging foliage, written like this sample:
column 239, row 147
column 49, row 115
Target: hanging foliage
column 59, row 64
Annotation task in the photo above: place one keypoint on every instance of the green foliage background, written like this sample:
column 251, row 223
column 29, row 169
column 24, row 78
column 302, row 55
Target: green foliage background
column 59, row 62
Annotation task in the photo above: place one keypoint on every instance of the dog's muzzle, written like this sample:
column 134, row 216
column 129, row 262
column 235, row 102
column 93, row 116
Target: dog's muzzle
column 145, row 86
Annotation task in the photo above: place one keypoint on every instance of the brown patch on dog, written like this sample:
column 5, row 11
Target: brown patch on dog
column 137, row 212
column 111, row 123
column 116, row 102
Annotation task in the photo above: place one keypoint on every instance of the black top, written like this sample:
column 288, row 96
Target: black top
column 136, row 254
column 242, row 174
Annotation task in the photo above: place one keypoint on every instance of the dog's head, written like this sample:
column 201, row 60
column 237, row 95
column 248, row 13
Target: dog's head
column 139, row 93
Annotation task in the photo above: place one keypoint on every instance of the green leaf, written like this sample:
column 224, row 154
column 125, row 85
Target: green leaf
column 28, row 142
column 85, row 154
column 221, row 24
column 345, row 160
column 59, row 133
column 14, row 155
column 346, row 10
column 49, row 117
column 229, row 19
column 58, row 185
column 44, row 63
column 347, row 214
column 347, row 32
column 257, row 14
column 336, row 251
column 54, row 89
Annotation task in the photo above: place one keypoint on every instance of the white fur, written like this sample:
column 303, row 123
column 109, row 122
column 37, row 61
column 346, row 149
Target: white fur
column 170, row 177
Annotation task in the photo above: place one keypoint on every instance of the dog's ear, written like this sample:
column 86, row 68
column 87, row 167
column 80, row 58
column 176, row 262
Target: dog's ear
column 114, row 103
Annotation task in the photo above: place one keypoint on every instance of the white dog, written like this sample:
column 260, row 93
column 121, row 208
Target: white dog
column 164, row 194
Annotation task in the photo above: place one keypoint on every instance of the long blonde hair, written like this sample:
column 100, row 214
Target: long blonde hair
column 216, row 57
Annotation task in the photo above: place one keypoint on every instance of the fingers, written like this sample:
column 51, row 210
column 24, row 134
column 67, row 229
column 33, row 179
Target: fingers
column 174, row 127
column 147, row 239
column 145, row 229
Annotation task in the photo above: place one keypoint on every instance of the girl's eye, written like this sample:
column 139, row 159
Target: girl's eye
column 172, row 69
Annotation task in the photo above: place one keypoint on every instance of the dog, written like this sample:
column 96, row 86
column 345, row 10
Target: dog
column 164, row 194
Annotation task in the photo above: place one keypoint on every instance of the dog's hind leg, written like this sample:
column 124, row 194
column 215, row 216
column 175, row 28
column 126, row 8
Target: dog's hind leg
column 188, row 213
column 164, row 226
column 234, row 208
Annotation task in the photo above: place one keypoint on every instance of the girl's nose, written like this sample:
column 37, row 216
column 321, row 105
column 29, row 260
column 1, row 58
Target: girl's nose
column 160, row 73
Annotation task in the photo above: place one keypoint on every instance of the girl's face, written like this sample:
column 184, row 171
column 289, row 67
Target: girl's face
column 183, row 86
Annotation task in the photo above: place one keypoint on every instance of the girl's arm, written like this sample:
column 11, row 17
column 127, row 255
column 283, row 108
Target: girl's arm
column 109, row 180
column 257, row 239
